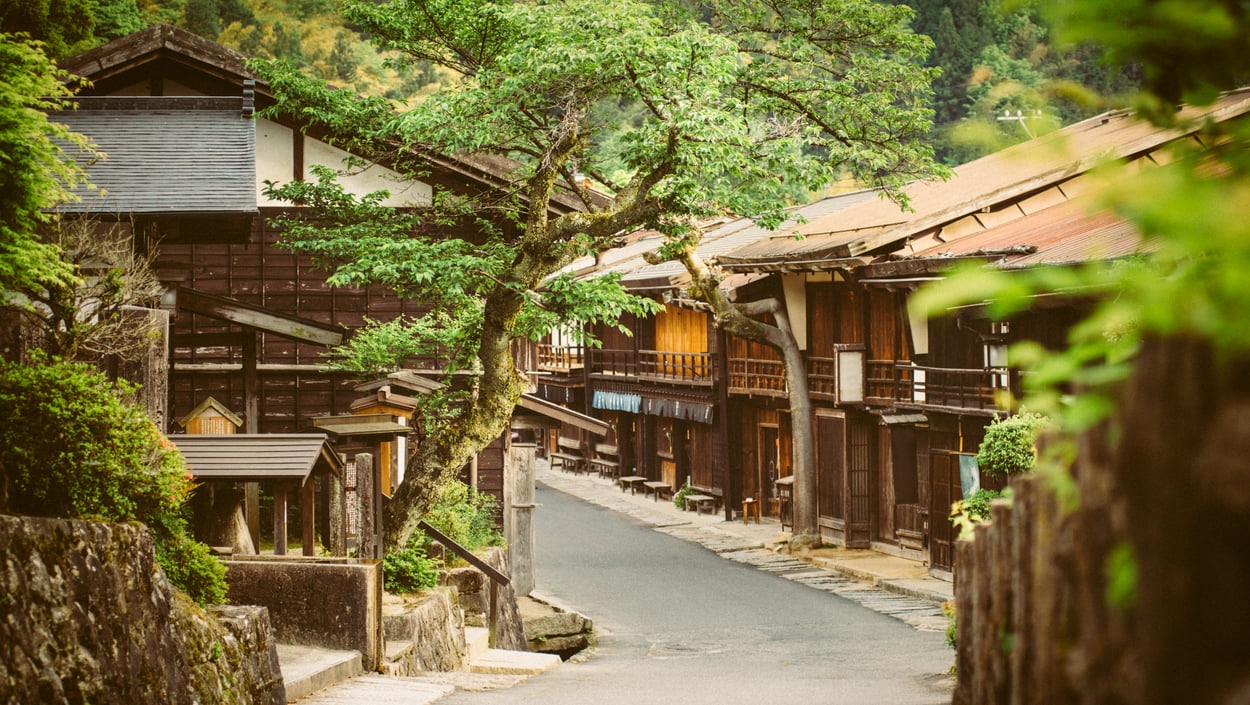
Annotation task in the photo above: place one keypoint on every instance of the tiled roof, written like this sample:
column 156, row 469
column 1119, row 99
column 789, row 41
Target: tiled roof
column 185, row 155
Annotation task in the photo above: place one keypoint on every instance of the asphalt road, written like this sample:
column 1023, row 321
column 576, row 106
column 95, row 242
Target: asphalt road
column 678, row 624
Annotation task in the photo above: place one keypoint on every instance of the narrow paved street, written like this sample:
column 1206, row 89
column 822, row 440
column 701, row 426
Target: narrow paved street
column 678, row 623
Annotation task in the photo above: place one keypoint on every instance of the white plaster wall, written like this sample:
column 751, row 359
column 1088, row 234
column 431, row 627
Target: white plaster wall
column 795, row 288
column 367, row 180
column 275, row 157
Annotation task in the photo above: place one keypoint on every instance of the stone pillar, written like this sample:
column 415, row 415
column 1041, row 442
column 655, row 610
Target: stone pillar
column 279, row 518
column 367, row 494
column 308, row 515
column 338, row 523
column 519, row 509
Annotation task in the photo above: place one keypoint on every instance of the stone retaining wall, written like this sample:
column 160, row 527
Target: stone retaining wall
column 335, row 603
column 87, row 617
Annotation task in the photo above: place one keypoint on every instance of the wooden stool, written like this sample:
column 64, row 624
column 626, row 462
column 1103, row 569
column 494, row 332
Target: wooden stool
column 750, row 506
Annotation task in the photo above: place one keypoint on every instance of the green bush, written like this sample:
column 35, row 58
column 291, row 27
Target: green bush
column 977, row 506
column 1009, row 446
column 74, row 444
column 410, row 569
column 679, row 497
column 466, row 516
column 192, row 567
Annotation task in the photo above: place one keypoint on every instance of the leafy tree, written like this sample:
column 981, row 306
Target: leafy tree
column 64, row 26
column 117, row 18
column 39, row 167
column 742, row 101
column 202, row 17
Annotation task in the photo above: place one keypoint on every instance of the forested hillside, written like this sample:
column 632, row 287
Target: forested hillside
column 995, row 64
column 308, row 33
column 999, row 60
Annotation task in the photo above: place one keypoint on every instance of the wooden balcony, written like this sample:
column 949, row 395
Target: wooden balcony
column 694, row 369
column 986, row 391
column 757, row 377
column 561, row 358
column 839, row 379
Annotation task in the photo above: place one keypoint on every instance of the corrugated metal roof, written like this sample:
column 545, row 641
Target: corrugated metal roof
column 1067, row 233
column 984, row 185
column 718, row 238
column 167, row 155
column 266, row 456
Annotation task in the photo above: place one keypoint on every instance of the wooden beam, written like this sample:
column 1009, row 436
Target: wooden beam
column 210, row 340
column 258, row 318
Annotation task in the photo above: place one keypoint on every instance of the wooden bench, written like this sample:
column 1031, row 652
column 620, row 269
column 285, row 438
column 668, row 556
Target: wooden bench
column 569, row 454
column 699, row 501
column 632, row 483
column 606, row 460
column 658, row 489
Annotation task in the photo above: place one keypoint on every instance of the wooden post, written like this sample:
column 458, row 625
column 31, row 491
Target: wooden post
column 279, row 519
column 1001, row 569
column 1024, row 507
column 519, row 507
column 965, row 581
column 251, row 421
column 493, row 608
column 308, row 513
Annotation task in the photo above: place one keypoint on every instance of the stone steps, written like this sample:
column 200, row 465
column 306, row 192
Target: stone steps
column 307, row 669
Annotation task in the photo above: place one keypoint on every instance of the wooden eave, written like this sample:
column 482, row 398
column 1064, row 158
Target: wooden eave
column 258, row 318
column 404, row 379
column 361, row 425
column 561, row 414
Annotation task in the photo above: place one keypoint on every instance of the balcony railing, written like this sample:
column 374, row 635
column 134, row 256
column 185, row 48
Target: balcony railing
column 653, row 365
column 839, row 379
column 753, row 376
column 561, row 358
column 955, row 389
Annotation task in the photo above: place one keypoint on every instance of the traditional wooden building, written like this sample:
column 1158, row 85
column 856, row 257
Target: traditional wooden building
column 900, row 400
column 187, row 161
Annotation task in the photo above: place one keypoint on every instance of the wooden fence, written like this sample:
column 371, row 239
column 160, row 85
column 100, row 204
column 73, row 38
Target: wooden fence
column 1048, row 609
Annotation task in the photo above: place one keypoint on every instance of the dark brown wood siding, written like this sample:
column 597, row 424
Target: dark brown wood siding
column 261, row 273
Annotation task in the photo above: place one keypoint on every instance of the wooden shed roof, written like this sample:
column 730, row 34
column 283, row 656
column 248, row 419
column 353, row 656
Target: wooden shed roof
column 980, row 195
column 240, row 457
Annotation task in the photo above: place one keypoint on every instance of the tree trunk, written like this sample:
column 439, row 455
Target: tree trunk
column 735, row 319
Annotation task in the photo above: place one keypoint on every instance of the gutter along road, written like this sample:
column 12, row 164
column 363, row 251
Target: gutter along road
column 678, row 623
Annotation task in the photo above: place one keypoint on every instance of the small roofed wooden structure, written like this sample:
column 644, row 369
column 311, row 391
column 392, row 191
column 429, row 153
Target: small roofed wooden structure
column 283, row 461
column 211, row 417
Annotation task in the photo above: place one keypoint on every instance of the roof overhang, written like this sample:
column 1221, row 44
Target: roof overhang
column 375, row 425
column 559, row 414
column 258, row 457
